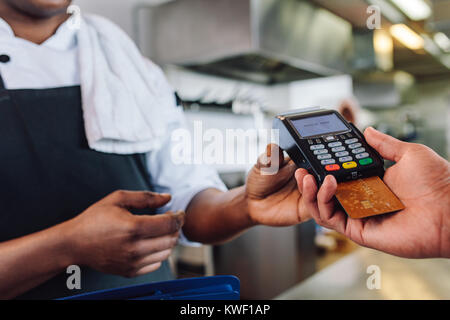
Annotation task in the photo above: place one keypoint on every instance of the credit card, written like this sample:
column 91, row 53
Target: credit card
column 367, row 197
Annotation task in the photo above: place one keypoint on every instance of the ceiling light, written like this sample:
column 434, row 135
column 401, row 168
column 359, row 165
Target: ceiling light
column 384, row 49
column 414, row 9
column 442, row 41
column 407, row 36
column 382, row 41
column 445, row 59
column 430, row 45
column 389, row 11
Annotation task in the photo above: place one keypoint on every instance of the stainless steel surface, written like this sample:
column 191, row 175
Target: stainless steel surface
column 440, row 21
column 261, row 40
column 400, row 279
column 354, row 11
column 423, row 64
column 268, row 260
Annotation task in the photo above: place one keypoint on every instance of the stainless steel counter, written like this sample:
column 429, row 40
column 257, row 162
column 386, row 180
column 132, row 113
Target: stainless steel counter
column 400, row 279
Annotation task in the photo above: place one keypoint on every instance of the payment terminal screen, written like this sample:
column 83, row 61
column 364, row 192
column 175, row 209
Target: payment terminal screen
column 319, row 125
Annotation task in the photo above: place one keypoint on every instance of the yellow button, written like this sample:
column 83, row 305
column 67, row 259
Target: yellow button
column 349, row 165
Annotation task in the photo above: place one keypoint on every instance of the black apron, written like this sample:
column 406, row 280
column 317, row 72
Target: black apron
column 48, row 175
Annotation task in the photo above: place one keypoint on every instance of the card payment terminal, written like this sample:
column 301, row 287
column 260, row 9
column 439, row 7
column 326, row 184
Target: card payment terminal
column 324, row 143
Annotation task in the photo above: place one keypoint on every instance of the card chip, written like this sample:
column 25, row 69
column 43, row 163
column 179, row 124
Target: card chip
column 366, row 204
column 367, row 197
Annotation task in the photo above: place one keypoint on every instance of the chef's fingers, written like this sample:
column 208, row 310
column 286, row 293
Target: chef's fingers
column 147, row 269
column 137, row 199
column 158, row 225
column 153, row 258
column 144, row 247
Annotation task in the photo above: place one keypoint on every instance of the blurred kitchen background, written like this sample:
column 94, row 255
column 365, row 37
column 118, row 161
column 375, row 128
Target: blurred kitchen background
column 236, row 63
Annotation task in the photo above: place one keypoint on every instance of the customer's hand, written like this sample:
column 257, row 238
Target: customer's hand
column 272, row 193
column 110, row 239
column 420, row 178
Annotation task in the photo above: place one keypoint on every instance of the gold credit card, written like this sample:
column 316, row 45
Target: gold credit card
column 367, row 197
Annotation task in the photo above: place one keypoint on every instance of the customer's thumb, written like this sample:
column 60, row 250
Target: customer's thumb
column 388, row 147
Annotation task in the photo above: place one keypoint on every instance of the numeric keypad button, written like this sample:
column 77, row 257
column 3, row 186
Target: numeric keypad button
column 355, row 145
column 342, row 154
column 324, row 156
column 320, row 151
column 350, row 141
column 334, row 144
column 345, row 159
column 362, row 155
column 359, row 150
column 338, row 149
column 317, row 147
column 328, row 161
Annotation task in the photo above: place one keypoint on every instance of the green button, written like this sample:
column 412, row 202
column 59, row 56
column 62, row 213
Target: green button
column 365, row 162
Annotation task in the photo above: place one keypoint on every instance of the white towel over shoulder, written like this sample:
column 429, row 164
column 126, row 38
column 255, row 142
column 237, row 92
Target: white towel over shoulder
column 126, row 98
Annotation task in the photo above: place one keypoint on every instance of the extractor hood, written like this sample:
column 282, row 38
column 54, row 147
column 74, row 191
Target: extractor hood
column 266, row 41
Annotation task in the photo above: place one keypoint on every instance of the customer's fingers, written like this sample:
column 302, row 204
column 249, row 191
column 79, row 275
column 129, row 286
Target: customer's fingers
column 388, row 147
column 320, row 203
column 330, row 216
column 309, row 196
column 299, row 175
column 325, row 197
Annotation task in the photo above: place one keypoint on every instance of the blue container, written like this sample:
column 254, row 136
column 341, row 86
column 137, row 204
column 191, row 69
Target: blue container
column 205, row 288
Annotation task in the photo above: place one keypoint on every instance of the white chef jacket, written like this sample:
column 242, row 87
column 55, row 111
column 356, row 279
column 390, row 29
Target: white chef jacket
column 54, row 63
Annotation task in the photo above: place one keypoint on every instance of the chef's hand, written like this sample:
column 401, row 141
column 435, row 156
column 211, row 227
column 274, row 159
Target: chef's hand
column 272, row 193
column 110, row 239
column 420, row 178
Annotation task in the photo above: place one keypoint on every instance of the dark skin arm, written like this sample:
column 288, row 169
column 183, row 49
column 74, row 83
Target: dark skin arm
column 266, row 199
column 107, row 237
column 421, row 180
column 214, row 216
column 47, row 246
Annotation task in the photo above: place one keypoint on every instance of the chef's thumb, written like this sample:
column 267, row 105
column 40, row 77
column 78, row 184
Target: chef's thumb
column 270, row 161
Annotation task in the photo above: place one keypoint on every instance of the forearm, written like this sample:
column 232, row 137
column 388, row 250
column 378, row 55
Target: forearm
column 214, row 216
column 28, row 261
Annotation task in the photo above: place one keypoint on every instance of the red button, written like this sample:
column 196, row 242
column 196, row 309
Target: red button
column 332, row 167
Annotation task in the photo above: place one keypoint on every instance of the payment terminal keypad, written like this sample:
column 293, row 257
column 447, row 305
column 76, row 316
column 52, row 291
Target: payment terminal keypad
column 340, row 152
